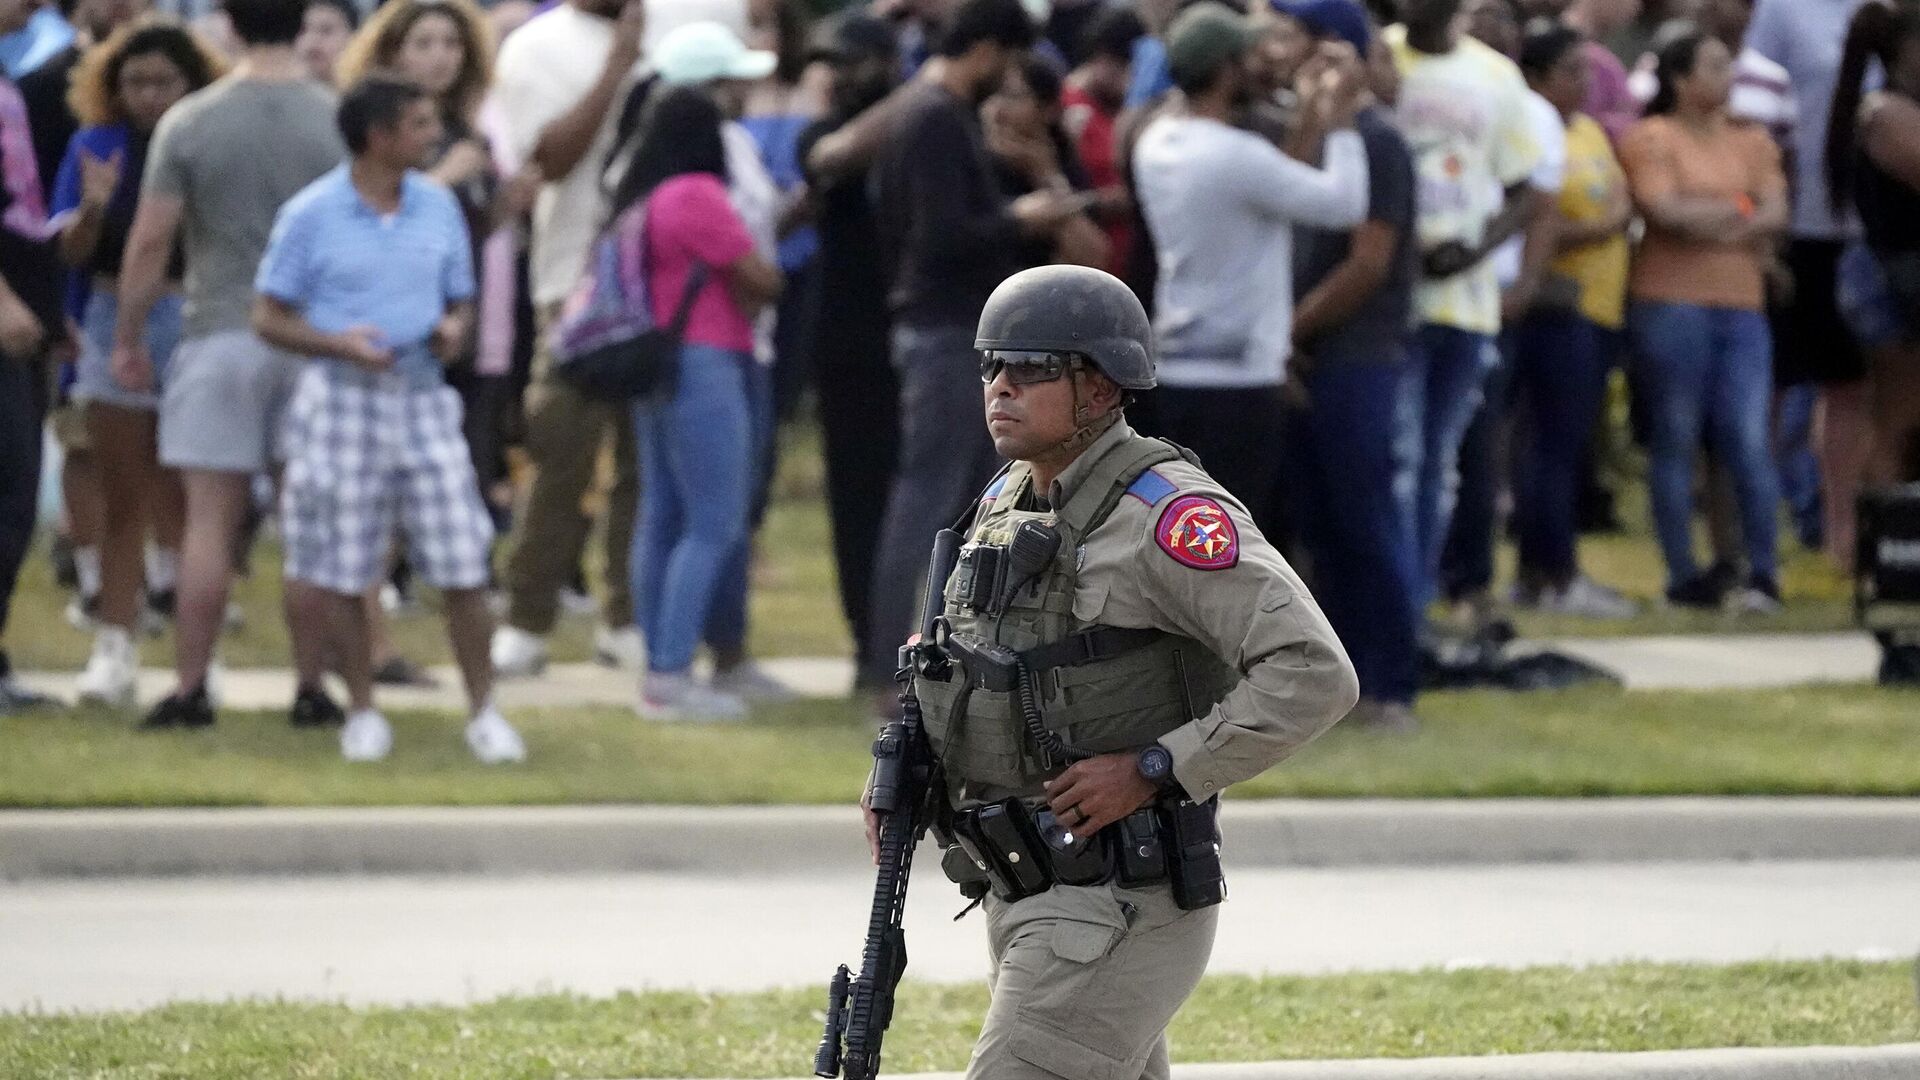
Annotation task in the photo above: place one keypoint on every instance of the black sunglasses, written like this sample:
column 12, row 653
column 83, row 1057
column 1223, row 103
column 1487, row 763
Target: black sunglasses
column 1026, row 367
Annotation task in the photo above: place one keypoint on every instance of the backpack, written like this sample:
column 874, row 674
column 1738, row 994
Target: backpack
column 605, row 341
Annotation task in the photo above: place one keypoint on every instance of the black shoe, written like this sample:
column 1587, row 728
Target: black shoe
column 1899, row 665
column 16, row 698
column 1724, row 576
column 181, row 710
column 1701, row 592
column 161, row 604
column 400, row 671
column 312, row 708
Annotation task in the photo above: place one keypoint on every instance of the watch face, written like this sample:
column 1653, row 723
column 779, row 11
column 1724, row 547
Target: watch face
column 1155, row 763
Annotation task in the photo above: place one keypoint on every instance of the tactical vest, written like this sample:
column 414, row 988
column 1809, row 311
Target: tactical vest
column 1101, row 692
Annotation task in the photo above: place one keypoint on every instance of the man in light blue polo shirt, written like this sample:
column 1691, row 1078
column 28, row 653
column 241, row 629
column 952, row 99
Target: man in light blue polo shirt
column 369, row 272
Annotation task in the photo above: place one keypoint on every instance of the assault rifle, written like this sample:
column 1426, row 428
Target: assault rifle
column 904, row 792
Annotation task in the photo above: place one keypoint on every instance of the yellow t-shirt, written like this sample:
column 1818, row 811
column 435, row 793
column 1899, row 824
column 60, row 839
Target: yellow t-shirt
column 1464, row 114
column 1593, row 182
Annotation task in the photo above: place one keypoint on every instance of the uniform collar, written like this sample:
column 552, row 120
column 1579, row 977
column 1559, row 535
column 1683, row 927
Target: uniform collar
column 1075, row 474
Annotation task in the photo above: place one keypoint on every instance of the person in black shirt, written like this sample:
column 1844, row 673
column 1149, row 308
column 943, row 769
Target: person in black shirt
column 948, row 232
column 859, row 406
column 1031, row 152
column 45, row 87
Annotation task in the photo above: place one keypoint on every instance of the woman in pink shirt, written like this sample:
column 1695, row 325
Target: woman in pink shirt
column 696, row 446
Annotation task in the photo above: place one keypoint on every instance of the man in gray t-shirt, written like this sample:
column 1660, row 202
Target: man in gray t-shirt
column 231, row 155
column 221, row 163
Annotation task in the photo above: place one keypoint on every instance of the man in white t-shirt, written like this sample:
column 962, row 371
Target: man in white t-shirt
column 1463, row 110
column 1466, row 568
column 559, row 86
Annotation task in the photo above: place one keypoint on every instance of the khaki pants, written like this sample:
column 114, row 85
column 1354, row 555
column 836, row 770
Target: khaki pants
column 564, row 433
column 1085, row 981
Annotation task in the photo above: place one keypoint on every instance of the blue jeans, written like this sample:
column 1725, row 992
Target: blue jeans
column 946, row 457
column 1343, row 457
column 1794, row 461
column 727, row 624
column 695, row 462
column 1560, row 370
column 1707, row 374
column 1438, row 398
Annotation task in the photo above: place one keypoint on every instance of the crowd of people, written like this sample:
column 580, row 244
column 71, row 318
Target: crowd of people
column 308, row 257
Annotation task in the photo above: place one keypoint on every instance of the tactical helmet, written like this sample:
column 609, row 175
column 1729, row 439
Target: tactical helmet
column 1072, row 309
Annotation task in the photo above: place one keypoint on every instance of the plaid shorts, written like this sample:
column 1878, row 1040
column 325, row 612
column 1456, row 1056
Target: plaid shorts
column 365, row 453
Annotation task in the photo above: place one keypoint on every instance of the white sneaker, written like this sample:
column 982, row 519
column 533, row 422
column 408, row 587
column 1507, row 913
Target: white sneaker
column 80, row 614
column 112, row 672
column 518, row 654
column 1748, row 600
column 675, row 698
column 366, row 737
column 215, row 682
column 619, row 648
column 493, row 740
column 750, row 682
column 1587, row 599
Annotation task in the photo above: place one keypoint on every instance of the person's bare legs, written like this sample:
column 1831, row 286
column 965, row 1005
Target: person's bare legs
column 312, row 631
column 1895, row 379
column 167, row 508
column 470, row 629
column 216, row 510
column 379, row 632
column 80, row 494
column 352, row 650
column 1845, row 441
column 123, row 449
column 85, row 511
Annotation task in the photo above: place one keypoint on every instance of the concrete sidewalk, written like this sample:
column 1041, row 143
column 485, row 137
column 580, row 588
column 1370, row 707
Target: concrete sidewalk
column 795, row 840
column 1677, row 662
column 1787, row 1063
column 132, row 943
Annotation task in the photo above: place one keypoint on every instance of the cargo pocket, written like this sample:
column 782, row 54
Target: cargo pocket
column 1062, row 1055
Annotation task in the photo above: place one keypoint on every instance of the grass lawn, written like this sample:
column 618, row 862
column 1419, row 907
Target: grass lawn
column 796, row 609
column 1425, row 1014
column 1834, row 741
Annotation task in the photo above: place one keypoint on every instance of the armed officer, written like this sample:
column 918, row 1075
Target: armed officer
column 1124, row 646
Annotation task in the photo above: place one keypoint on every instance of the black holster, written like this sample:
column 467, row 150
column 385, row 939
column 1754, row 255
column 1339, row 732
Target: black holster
column 1016, row 851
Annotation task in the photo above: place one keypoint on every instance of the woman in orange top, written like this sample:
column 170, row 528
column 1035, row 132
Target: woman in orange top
column 1713, row 196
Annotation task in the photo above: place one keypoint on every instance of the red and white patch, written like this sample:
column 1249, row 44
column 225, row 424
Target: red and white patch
column 1197, row 532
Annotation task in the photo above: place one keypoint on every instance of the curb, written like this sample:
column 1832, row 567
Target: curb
column 1900, row 1062
column 36, row 844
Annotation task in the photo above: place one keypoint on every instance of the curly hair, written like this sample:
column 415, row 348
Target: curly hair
column 377, row 48
column 94, row 95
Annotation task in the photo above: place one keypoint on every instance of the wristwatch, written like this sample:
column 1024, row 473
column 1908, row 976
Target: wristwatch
column 1156, row 765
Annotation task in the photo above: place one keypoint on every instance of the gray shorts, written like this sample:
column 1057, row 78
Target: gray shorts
column 222, row 407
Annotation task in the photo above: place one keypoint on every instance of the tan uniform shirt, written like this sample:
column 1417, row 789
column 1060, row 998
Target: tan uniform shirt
column 1250, row 609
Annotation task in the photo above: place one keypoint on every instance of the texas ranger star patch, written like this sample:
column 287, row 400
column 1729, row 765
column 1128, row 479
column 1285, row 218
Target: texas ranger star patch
column 1197, row 532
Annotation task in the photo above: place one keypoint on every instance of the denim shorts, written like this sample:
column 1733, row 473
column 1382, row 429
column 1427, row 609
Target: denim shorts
column 94, row 380
column 1867, row 301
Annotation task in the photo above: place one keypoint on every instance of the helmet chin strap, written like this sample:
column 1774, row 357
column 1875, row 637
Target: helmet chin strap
column 1086, row 428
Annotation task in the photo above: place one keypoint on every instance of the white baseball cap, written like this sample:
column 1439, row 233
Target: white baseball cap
column 702, row 52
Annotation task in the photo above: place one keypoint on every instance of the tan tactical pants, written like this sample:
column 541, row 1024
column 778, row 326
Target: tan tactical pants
column 1085, row 981
column 565, row 431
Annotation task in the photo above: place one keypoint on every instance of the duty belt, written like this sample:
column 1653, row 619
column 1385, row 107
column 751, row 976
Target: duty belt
column 1017, row 849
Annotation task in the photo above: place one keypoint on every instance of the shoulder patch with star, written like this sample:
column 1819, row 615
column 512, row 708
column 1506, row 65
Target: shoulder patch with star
column 1196, row 532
